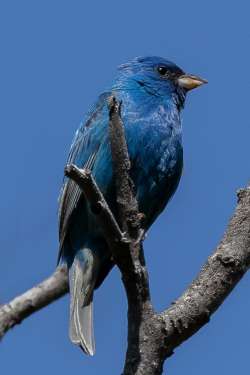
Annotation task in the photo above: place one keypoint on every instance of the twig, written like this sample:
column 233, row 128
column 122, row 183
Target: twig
column 33, row 300
column 99, row 205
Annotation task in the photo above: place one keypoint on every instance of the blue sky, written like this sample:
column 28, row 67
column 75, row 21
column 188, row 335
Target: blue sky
column 56, row 57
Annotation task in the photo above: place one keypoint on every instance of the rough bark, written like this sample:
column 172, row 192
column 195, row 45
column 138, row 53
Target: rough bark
column 152, row 336
column 131, row 262
column 34, row 299
column 220, row 274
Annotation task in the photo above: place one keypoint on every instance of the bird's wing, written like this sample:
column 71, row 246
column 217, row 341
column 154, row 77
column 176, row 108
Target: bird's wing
column 83, row 152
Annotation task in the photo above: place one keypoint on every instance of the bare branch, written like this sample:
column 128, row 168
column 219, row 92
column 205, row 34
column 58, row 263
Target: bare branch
column 217, row 278
column 33, row 300
column 98, row 203
column 128, row 206
column 141, row 318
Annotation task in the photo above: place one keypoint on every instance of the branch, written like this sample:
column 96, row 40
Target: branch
column 33, row 300
column 141, row 318
column 127, row 204
column 217, row 278
column 99, row 205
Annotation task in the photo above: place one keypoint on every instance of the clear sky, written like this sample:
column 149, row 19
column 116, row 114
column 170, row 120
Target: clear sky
column 56, row 57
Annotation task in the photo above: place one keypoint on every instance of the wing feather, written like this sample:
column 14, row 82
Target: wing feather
column 83, row 153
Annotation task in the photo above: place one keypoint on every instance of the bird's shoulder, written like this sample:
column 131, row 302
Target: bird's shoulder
column 89, row 135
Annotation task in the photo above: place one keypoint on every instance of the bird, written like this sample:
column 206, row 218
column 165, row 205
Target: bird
column 152, row 91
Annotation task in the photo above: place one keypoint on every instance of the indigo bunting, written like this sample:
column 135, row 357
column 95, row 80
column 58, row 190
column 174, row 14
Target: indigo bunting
column 152, row 91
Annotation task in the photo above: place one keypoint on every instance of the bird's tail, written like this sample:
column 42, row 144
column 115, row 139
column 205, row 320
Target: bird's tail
column 82, row 278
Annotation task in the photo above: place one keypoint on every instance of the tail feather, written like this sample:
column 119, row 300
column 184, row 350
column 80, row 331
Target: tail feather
column 82, row 278
column 81, row 328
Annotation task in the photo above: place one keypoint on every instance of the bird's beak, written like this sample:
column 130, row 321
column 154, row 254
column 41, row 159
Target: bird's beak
column 190, row 82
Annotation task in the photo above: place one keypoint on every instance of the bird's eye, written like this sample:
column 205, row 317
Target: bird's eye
column 162, row 70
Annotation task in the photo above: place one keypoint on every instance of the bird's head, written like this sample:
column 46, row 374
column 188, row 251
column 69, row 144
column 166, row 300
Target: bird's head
column 159, row 77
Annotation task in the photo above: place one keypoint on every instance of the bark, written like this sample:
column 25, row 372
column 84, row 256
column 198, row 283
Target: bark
column 131, row 262
column 33, row 300
column 221, row 273
column 152, row 337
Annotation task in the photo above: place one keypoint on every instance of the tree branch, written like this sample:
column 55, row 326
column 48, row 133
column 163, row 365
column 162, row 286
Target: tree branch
column 216, row 280
column 140, row 353
column 33, row 300
column 152, row 337
column 99, row 205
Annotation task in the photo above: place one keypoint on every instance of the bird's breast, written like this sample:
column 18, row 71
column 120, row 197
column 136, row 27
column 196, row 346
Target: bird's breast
column 154, row 139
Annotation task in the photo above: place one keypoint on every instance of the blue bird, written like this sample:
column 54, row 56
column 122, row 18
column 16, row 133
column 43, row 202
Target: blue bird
column 152, row 91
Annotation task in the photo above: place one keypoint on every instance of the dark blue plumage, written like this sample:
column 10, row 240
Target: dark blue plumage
column 152, row 91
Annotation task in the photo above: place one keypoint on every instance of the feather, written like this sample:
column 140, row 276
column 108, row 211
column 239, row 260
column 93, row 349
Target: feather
column 83, row 153
column 82, row 277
